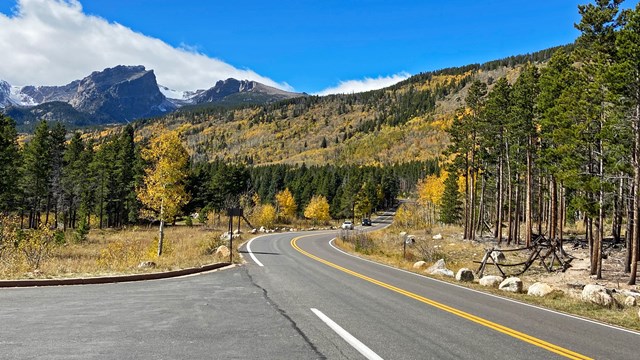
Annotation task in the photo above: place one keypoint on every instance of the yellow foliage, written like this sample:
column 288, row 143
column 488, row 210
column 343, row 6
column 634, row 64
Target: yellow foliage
column 163, row 192
column 267, row 215
column 431, row 188
column 318, row 209
column 286, row 204
column 36, row 246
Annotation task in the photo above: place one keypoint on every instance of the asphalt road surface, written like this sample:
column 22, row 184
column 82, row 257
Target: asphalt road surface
column 297, row 298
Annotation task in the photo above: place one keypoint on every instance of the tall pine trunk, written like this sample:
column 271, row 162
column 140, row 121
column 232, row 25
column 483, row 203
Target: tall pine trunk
column 529, row 185
column 499, row 205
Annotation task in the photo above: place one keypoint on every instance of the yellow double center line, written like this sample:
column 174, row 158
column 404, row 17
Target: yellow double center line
column 497, row 327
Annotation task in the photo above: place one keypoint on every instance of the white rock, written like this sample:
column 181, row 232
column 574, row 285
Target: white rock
column 262, row 229
column 437, row 237
column 540, row 289
column 491, row 280
column 598, row 294
column 236, row 232
column 443, row 272
column 419, row 265
column 464, row 274
column 511, row 284
column 440, row 264
column 630, row 301
column 254, row 231
column 146, row 265
column 222, row 251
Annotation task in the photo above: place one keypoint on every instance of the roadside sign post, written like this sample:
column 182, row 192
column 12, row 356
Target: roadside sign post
column 231, row 212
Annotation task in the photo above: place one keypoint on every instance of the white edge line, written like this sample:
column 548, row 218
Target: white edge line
column 357, row 344
column 252, row 255
column 488, row 294
column 255, row 259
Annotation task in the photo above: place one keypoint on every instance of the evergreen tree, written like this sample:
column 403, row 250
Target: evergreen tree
column 451, row 205
column 36, row 169
column 9, row 162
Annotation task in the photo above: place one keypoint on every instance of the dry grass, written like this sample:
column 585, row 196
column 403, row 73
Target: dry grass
column 385, row 247
column 112, row 252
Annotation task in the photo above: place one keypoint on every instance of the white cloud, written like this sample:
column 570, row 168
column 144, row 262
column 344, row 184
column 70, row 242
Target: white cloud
column 366, row 84
column 53, row 42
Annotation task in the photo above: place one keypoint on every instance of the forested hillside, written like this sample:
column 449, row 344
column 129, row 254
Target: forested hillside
column 405, row 122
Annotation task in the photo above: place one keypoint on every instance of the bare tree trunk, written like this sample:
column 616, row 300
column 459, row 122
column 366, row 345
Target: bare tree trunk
column 529, row 185
column 636, row 194
column 499, row 205
column 600, row 228
column 563, row 219
column 516, row 225
column 509, row 212
column 616, row 230
column 161, row 231
column 467, row 191
column 628, row 235
column 540, row 205
column 553, row 209
column 481, row 211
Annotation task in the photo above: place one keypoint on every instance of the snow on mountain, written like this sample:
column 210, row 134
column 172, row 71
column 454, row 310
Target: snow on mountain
column 20, row 98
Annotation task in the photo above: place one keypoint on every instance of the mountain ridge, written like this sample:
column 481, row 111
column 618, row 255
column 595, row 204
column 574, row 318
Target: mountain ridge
column 122, row 94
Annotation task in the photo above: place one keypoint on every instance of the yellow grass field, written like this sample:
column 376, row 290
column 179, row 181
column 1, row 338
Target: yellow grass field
column 113, row 252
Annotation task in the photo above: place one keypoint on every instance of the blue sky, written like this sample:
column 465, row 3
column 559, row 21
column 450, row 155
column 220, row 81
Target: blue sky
column 304, row 45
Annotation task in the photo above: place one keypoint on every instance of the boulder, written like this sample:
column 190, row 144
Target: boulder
column 437, row 237
column 439, row 268
column 440, row 264
column 222, row 251
column 254, row 231
column 540, row 289
column 262, row 229
column 464, row 274
column 498, row 256
column 630, row 301
column 511, row 284
column 491, row 281
column 598, row 294
column 443, row 272
column 146, row 265
column 236, row 232
column 420, row 265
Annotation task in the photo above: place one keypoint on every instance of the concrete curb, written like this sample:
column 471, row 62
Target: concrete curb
column 110, row 279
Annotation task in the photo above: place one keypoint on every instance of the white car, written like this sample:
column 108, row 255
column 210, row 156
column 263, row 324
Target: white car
column 347, row 225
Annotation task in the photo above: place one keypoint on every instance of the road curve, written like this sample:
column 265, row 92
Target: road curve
column 401, row 315
column 297, row 298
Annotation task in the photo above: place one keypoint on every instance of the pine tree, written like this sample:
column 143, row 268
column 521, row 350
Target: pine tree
column 451, row 207
column 36, row 169
column 9, row 160
column 626, row 83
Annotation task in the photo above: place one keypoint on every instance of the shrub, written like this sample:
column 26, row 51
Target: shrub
column 36, row 246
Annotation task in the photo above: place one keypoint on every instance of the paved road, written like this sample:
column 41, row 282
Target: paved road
column 219, row 315
column 400, row 315
column 299, row 299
